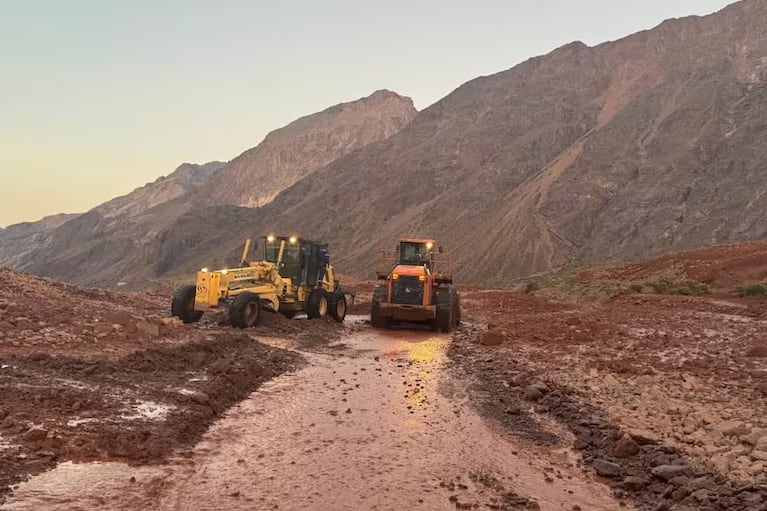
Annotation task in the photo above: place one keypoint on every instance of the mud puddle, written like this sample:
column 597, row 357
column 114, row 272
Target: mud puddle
column 373, row 422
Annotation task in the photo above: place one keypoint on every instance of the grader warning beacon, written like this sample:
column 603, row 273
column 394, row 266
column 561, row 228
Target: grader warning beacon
column 288, row 275
column 417, row 287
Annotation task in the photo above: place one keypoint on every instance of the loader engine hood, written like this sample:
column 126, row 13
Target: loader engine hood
column 407, row 285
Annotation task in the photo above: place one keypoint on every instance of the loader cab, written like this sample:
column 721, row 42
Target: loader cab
column 415, row 252
column 303, row 261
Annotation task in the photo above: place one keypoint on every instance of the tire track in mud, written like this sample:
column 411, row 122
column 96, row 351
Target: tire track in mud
column 375, row 421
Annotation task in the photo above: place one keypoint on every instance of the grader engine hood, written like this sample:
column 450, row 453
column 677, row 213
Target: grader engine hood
column 213, row 286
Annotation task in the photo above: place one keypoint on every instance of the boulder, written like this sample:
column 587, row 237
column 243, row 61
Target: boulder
column 607, row 468
column 625, row 447
column 668, row 472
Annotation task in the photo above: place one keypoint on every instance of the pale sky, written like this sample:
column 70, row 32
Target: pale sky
column 98, row 97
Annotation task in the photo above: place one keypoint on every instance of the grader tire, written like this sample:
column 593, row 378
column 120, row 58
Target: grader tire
column 245, row 311
column 338, row 307
column 317, row 305
column 182, row 304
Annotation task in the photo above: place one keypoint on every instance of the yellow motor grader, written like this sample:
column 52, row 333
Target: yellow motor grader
column 288, row 275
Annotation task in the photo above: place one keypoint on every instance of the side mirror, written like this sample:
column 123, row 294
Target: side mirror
column 439, row 249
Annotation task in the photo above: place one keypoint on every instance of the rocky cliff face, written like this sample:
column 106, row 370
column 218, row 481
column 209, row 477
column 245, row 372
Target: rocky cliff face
column 652, row 143
column 291, row 153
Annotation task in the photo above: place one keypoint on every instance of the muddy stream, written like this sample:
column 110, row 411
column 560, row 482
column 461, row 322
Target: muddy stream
column 375, row 422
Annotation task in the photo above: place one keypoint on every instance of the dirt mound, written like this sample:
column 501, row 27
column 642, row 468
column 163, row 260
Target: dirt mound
column 93, row 374
column 40, row 315
column 725, row 267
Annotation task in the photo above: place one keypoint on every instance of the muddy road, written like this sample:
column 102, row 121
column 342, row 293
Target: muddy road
column 375, row 420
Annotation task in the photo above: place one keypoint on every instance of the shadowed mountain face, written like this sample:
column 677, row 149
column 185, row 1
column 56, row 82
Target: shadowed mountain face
column 119, row 239
column 649, row 144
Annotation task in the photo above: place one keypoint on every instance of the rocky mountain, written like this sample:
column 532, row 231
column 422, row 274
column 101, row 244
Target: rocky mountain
column 288, row 154
column 118, row 240
column 652, row 143
column 185, row 179
column 18, row 241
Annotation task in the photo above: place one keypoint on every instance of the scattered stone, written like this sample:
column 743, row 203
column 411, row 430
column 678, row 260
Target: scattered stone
column 633, row 483
column 36, row 434
column 642, row 437
column 173, row 322
column 607, row 468
column 756, row 469
column 580, row 444
column 103, row 328
column 732, row 428
column 146, row 328
column 668, row 472
column 759, row 455
column 625, row 447
column 122, row 318
column 754, row 436
column 532, row 394
column 645, row 379
column 493, row 338
column 582, row 338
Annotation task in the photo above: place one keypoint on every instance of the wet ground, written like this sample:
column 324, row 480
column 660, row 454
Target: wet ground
column 377, row 420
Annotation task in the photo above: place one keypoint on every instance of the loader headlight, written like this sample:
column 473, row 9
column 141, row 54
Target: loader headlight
column 270, row 238
column 224, row 271
column 394, row 276
column 293, row 240
column 429, row 245
column 204, row 270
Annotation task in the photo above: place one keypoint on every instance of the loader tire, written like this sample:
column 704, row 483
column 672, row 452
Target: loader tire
column 338, row 306
column 245, row 311
column 182, row 305
column 317, row 305
column 446, row 300
column 376, row 319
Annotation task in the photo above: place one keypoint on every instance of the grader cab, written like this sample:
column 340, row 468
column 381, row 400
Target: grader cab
column 416, row 287
column 287, row 274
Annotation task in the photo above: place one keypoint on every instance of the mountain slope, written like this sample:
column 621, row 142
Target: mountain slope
column 643, row 145
column 117, row 241
column 18, row 241
column 288, row 154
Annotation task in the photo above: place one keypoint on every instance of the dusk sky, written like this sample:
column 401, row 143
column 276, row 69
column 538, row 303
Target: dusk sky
column 99, row 97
